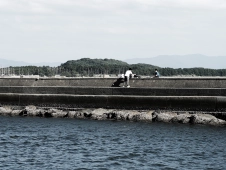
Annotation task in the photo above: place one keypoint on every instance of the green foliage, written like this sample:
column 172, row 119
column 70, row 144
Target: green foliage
column 143, row 69
column 89, row 67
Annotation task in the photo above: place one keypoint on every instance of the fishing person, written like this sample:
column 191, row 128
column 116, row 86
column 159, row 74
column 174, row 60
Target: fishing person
column 128, row 75
column 156, row 74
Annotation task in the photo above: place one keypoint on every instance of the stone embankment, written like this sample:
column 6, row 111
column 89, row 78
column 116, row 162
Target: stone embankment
column 116, row 114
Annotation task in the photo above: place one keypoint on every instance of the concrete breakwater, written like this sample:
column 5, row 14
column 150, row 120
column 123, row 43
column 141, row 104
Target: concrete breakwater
column 141, row 91
column 192, row 99
column 202, row 95
column 196, row 82
column 115, row 114
column 190, row 103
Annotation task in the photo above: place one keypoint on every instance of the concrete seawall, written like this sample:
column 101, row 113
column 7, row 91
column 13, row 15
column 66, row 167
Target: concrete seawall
column 114, row 91
column 190, row 103
column 201, row 94
column 107, row 82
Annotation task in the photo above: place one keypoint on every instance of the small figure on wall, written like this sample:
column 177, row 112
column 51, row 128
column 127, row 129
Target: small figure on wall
column 156, row 74
column 128, row 75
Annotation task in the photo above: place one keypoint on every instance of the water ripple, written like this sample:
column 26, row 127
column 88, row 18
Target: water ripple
column 44, row 143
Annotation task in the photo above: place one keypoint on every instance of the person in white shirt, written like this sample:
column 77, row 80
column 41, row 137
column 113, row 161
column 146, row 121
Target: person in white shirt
column 127, row 77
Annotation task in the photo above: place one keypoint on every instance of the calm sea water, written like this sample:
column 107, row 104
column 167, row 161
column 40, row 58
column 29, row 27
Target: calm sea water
column 57, row 143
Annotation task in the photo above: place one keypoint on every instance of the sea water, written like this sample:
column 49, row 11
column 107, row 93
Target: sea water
column 65, row 143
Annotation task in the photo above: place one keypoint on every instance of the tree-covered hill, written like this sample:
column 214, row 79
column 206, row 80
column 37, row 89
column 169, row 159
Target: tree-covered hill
column 86, row 66
column 89, row 67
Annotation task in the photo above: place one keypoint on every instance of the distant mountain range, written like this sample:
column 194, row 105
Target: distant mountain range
column 8, row 63
column 183, row 61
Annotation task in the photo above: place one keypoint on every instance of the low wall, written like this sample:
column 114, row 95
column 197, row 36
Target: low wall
column 193, row 103
column 206, row 94
column 114, row 91
column 107, row 82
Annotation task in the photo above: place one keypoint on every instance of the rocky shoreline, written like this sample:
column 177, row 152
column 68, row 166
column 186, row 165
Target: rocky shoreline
column 116, row 114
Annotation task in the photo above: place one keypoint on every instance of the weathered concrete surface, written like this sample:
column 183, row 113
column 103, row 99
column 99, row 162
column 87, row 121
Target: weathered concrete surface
column 114, row 91
column 107, row 82
column 95, row 99
column 204, row 103
column 114, row 114
column 169, row 94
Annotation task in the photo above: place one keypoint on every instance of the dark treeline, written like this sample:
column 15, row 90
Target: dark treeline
column 89, row 67
column 30, row 70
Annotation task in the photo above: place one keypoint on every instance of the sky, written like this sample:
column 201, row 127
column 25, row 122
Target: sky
column 62, row 30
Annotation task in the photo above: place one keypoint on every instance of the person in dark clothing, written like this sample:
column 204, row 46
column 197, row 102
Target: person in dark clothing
column 156, row 74
column 118, row 82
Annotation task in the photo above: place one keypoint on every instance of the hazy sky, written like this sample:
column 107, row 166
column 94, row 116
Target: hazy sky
column 62, row 30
